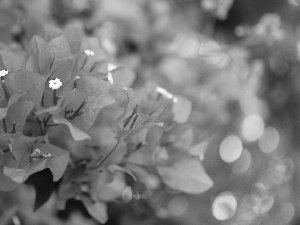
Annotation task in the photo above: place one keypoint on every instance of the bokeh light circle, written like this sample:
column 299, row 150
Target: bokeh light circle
column 286, row 212
column 231, row 148
column 224, row 206
column 242, row 164
column 252, row 127
column 269, row 140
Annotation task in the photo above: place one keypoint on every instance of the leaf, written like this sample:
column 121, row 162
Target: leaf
column 76, row 133
column 21, row 147
column 61, row 49
column 13, row 60
column 199, row 149
column 59, row 161
column 99, row 52
column 97, row 210
column 133, row 102
column 123, row 134
column 136, row 137
column 181, row 136
column 182, row 108
column 63, row 72
column 122, row 77
column 127, row 195
column 109, row 185
column 144, row 155
column 18, row 114
column 98, row 92
column 51, row 32
column 74, row 173
column 30, row 83
column 67, row 191
column 137, row 128
column 133, row 126
column 13, row 99
column 184, row 140
column 82, row 57
column 7, row 139
column 6, row 183
column 17, row 175
column 41, row 57
column 115, row 168
column 186, row 174
column 20, row 171
column 74, row 36
column 70, row 97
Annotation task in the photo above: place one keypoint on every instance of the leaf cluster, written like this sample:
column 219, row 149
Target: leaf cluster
column 150, row 136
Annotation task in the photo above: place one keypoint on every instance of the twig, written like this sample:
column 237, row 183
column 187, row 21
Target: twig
column 108, row 154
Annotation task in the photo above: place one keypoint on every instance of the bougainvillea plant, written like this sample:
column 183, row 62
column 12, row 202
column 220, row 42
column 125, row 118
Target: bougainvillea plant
column 49, row 102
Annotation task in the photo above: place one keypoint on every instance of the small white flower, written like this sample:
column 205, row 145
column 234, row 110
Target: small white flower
column 55, row 84
column 3, row 73
column 89, row 52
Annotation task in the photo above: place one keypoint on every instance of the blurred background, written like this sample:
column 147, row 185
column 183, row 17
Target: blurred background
column 237, row 61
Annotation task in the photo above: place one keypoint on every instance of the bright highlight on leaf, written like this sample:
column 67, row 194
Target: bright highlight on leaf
column 127, row 195
column 89, row 52
column 164, row 92
column 224, row 206
column 110, row 78
column 231, row 149
column 3, row 73
column 55, row 84
column 186, row 174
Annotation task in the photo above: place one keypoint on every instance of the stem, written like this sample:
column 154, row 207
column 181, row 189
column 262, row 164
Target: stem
column 54, row 97
column 40, row 125
column 107, row 155
column 43, row 99
column 77, row 112
column 14, row 128
column 4, row 125
column 51, row 125
column 47, row 120
column 134, row 120
column 6, row 93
